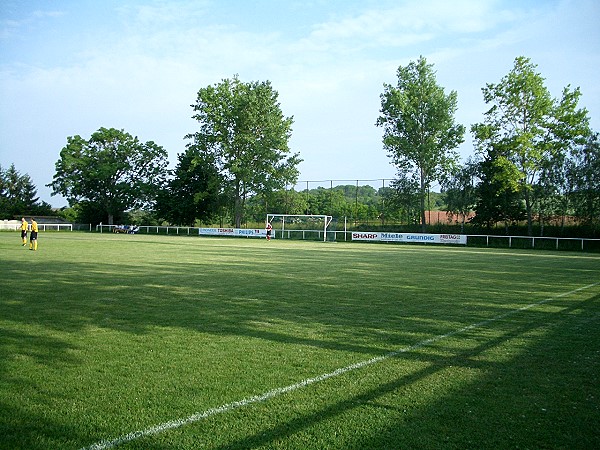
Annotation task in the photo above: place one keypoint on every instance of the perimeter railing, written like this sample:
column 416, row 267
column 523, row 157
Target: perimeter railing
column 473, row 240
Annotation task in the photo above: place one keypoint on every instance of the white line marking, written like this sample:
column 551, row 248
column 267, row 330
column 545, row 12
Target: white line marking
column 110, row 443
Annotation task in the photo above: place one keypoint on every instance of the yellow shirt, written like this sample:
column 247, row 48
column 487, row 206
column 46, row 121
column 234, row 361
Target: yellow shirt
column 24, row 226
column 34, row 226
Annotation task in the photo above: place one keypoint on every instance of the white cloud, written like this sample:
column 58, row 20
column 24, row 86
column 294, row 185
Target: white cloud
column 11, row 28
column 412, row 22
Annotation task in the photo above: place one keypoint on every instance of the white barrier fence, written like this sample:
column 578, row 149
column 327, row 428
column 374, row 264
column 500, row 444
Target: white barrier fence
column 496, row 241
column 15, row 225
column 189, row 231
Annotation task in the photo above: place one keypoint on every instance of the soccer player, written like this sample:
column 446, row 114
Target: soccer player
column 269, row 229
column 33, row 235
column 24, row 226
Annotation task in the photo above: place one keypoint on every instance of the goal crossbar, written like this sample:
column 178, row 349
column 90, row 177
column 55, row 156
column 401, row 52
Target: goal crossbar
column 326, row 220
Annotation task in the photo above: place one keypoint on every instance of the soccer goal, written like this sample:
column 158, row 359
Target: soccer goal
column 317, row 220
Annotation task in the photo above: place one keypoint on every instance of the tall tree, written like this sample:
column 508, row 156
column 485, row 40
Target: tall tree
column 460, row 191
column 530, row 125
column 403, row 199
column 420, row 134
column 193, row 193
column 586, row 178
column 18, row 195
column 497, row 193
column 111, row 172
column 243, row 128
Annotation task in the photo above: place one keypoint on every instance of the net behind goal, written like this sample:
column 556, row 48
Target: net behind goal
column 286, row 224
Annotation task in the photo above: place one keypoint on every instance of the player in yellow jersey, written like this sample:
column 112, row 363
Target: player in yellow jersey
column 33, row 235
column 24, row 226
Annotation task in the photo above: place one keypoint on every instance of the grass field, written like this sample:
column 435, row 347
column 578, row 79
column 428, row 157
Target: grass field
column 159, row 342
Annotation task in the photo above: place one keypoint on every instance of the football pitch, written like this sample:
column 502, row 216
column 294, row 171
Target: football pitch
column 166, row 342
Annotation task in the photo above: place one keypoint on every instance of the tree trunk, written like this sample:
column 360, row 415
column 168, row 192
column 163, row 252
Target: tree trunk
column 528, row 208
column 423, row 221
column 238, row 211
column 237, row 206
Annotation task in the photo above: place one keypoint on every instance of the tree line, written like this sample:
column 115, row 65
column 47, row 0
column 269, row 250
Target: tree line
column 18, row 195
column 535, row 158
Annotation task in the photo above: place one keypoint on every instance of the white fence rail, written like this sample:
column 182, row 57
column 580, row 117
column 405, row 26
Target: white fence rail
column 473, row 240
column 15, row 225
column 495, row 241
column 546, row 243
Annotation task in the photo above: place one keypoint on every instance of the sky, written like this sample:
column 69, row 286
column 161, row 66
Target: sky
column 70, row 67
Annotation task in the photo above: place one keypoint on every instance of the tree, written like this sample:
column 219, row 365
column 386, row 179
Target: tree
column 459, row 189
column 18, row 195
column 532, row 127
column 110, row 173
column 419, row 130
column 497, row 193
column 586, row 179
column 194, row 192
column 404, row 198
column 243, row 128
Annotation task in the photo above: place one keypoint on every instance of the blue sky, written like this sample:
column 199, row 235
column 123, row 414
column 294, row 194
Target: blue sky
column 70, row 67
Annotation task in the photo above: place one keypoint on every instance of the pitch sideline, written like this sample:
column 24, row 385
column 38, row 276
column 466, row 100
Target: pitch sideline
column 111, row 443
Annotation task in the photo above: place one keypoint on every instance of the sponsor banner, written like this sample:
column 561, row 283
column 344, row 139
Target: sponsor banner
column 256, row 232
column 232, row 232
column 216, row 231
column 410, row 237
column 453, row 239
column 365, row 236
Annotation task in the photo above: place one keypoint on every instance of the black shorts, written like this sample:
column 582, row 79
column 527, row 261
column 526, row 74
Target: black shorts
column 33, row 236
column 23, row 234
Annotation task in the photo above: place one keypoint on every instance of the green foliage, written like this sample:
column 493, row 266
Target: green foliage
column 585, row 176
column 526, row 131
column 459, row 190
column 18, row 195
column 403, row 199
column 419, row 130
column 535, row 158
column 498, row 199
column 195, row 191
column 69, row 214
column 109, row 173
column 244, row 131
column 141, row 216
column 357, row 203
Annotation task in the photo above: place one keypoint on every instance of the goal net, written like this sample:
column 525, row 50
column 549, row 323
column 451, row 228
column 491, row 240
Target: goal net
column 287, row 225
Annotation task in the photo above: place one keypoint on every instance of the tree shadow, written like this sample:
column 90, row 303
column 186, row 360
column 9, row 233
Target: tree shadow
column 247, row 301
column 468, row 419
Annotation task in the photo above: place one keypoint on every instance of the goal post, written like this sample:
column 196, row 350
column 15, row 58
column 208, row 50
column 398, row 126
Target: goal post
column 326, row 220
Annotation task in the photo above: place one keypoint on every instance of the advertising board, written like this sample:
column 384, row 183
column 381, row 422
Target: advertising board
column 459, row 239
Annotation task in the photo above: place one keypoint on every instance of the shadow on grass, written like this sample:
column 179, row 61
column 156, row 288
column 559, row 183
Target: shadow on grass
column 547, row 397
column 265, row 298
